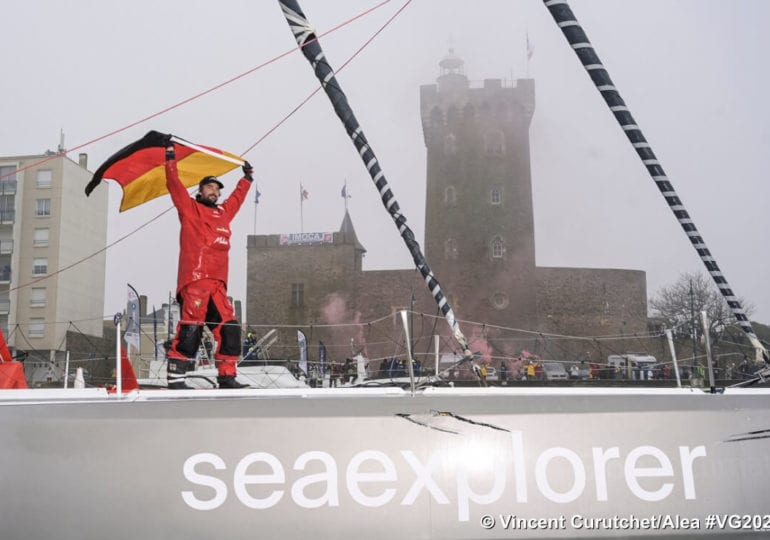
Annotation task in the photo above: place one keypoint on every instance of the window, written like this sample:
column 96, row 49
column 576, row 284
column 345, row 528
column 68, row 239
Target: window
column 7, row 213
column 44, row 179
column 469, row 113
column 450, row 145
column 436, row 116
column 36, row 327
column 450, row 196
column 7, row 179
column 37, row 297
column 498, row 248
column 43, row 207
column 297, row 295
column 39, row 266
column 452, row 115
column 495, row 196
column 494, row 143
column 450, row 249
column 6, row 246
column 7, row 173
column 41, row 238
column 500, row 300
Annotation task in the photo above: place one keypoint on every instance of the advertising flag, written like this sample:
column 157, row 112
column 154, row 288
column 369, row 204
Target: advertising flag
column 302, row 343
column 132, row 316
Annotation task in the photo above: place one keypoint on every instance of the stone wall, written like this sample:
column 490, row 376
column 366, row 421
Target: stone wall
column 593, row 302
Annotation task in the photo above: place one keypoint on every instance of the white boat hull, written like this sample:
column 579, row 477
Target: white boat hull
column 382, row 463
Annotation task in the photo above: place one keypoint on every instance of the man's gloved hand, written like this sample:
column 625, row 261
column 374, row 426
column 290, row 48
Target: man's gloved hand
column 165, row 139
column 166, row 142
column 248, row 170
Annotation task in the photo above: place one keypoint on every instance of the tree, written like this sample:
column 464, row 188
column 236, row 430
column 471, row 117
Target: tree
column 691, row 293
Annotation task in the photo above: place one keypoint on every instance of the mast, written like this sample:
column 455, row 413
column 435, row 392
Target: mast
column 578, row 40
column 311, row 48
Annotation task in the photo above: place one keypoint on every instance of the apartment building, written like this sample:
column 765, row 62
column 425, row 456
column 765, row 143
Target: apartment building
column 52, row 259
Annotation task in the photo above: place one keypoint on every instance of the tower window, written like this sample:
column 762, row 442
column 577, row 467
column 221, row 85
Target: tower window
column 452, row 115
column 496, row 196
column 500, row 300
column 297, row 295
column 450, row 145
column 450, row 248
column 494, row 143
column 436, row 116
column 450, row 196
column 498, row 247
column 469, row 112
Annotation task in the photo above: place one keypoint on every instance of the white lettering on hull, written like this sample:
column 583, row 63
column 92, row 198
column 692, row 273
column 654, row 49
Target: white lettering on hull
column 374, row 479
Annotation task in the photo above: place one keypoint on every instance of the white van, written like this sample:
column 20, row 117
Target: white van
column 639, row 364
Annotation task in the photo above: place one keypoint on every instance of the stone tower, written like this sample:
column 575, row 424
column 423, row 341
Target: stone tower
column 479, row 227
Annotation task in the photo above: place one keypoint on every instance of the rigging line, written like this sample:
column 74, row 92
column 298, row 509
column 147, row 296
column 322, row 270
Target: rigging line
column 105, row 248
column 580, row 44
column 85, row 336
column 30, row 346
column 251, row 325
column 319, row 88
column 380, row 319
column 196, row 96
column 270, row 131
column 536, row 333
column 313, row 52
column 63, row 342
column 280, row 122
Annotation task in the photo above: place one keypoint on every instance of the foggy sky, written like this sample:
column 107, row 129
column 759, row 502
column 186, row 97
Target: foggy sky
column 692, row 72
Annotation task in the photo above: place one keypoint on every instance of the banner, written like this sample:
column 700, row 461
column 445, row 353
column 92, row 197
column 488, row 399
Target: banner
column 306, row 238
column 302, row 343
column 132, row 319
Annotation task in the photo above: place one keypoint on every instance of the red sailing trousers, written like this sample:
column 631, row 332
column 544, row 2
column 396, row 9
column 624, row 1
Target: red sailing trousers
column 205, row 301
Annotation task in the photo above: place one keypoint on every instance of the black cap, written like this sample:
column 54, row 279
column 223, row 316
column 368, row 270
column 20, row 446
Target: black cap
column 211, row 180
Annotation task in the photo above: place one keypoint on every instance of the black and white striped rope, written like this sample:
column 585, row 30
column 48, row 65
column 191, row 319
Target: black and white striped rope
column 306, row 38
column 567, row 22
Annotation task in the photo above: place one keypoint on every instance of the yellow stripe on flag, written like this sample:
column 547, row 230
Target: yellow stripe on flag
column 192, row 169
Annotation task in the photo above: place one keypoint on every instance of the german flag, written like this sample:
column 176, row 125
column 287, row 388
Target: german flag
column 140, row 167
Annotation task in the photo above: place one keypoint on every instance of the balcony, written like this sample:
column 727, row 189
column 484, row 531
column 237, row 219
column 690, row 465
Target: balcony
column 7, row 216
column 8, row 187
column 6, row 247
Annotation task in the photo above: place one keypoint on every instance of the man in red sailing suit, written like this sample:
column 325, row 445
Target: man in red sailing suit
column 202, row 280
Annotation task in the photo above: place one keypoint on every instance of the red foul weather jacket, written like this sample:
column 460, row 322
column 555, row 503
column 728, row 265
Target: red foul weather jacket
column 204, row 238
